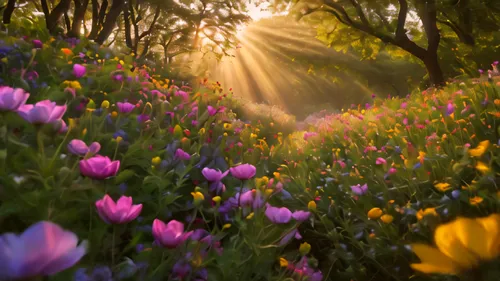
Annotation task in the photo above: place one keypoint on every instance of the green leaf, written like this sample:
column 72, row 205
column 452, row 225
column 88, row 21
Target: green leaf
column 124, row 176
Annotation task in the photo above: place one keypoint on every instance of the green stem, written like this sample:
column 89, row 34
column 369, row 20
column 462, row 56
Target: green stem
column 39, row 140
column 113, row 247
column 58, row 150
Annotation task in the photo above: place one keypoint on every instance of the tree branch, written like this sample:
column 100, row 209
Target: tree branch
column 359, row 11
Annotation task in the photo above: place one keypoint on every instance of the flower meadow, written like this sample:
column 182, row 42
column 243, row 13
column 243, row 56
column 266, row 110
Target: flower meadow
column 112, row 171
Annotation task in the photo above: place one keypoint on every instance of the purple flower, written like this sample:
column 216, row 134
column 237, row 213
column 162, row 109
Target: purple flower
column 79, row 70
column 449, row 109
column 169, row 235
column 99, row 167
column 42, row 249
column 278, row 215
column 301, row 216
column 294, row 233
column 212, row 110
column 181, row 269
column 125, row 107
column 37, row 44
column 202, row 235
column 380, row 161
column 42, row 112
column 213, row 175
column 141, row 118
column 11, row 99
column 182, row 155
column 359, row 189
column 117, row 213
column 243, row 172
column 78, row 147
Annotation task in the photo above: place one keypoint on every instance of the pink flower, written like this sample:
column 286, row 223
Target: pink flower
column 359, row 189
column 244, row 171
column 213, row 175
column 78, row 147
column 212, row 110
column 42, row 112
column 79, row 70
column 308, row 135
column 278, row 215
column 125, row 107
column 182, row 155
column 11, row 99
column 380, row 161
column 99, row 167
column 37, row 44
column 169, row 235
column 42, row 249
column 121, row 212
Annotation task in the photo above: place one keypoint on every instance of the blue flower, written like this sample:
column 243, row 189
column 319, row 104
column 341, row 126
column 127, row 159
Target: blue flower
column 102, row 273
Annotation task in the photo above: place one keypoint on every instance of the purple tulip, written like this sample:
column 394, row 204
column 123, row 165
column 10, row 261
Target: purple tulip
column 11, row 99
column 79, row 70
column 37, row 44
column 121, row 212
column 42, row 249
column 301, row 216
column 125, row 107
column 244, row 171
column 359, row 189
column 78, row 147
column 169, row 235
column 182, row 155
column 278, row 215
column 42, row 112
column 99, row 167
column 213, row 175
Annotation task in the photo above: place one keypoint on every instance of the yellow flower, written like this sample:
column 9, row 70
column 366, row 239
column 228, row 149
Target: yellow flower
column 261, row 181
column 304, row 248
column 198, row 197
column 480, row 149
column 84, row 131
column 268, row 192
column 252, row 135
column 442, row 186
column 227, row 126
column 250, row 216
column 119, row 139
column 387, row 218
column 283, row 262
column 217, row 199
column 311, row 205
column 202, row 131
column 226, row 226
column 105, row 104
column 475, row 200
column 460, row 245
column 375, row 213
column 483, row 168
column 156, row 160
column 426, row 212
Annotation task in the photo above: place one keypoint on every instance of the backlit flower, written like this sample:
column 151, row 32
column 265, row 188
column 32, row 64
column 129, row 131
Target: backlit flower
column 117, row 213
column 480, row 149
column 11, row 99
column 169, row 235
column 42, row 112
column 99, row 167
column 244, row 171
column 278, row 215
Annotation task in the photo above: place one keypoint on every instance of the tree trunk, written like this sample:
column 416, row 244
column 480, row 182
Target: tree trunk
column 111, row 19
column 98, row 14
column 53, row 18
column 79, row 17
column 128, row 35
column 436, row 75
column 7, row 13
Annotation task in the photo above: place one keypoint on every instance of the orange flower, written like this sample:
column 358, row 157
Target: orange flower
column 67, row 51
column 475, row 200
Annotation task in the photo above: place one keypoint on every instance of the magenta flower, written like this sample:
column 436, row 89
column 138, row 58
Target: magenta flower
column 42, row 112
column 244, row 171
column 99, row 167
column 78, row 147
column 169, row 235
column 359, row 189
column 380, row 161
column 42, row 249
column 278, row 215
column 11, row 99
column 301, row 215
column 37, row 44
column 308, row 135
column 212, row 110
column 125, row 107
column 121, row 212
column 79, row 70
column 182, row 155
column 450, row 109
column 213, row 175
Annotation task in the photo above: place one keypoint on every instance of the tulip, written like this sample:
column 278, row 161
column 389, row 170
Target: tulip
column 99, row 167
column 78, row 147
column 169, row 235
column 42, row 112
column 301, row 215
column 117, row 213
column 244, row 171
column 213, row 175
column 182, row 155
column 125, row 107
column 79, row 70
column 37, row 44
column 278, row 215
column 380, row 161
column 11, row 99
column 42, row 249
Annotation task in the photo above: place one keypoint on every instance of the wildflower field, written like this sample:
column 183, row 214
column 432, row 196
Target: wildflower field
column 110, row 170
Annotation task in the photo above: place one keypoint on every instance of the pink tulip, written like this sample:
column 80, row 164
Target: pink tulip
column 125, row 107
column 78, row 147
column 380, row 161
column 244, row 171
column 169, row 235
column 79, row 70
column 99, row 167
column 11, row 99
column 121, row 212
column 43, row 112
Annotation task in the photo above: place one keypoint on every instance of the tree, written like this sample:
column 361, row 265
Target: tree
column 392, row 22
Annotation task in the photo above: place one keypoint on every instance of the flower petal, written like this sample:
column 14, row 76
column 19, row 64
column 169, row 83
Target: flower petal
column 447, row 241
column 433, row 261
